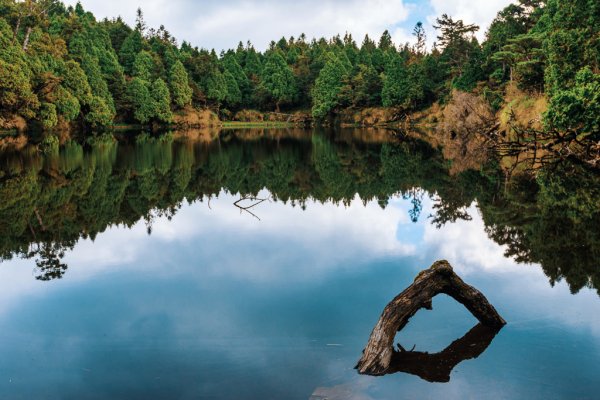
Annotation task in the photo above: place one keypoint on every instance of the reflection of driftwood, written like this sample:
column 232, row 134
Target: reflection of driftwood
column 437, row 367
column 256, row 201
column 440, row 278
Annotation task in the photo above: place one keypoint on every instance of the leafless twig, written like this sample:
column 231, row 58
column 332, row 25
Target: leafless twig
column 256, row 201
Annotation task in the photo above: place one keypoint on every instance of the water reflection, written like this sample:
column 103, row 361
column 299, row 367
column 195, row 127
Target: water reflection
column 50, row 203
column 214, row 304
column 437, row 367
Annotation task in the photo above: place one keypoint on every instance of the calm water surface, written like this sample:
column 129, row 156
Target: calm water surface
column 170, row 290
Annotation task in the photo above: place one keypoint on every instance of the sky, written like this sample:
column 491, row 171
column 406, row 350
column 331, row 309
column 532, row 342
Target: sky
column 223, row 24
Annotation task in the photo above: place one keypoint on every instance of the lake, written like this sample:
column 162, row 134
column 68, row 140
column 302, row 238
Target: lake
column 255, row 265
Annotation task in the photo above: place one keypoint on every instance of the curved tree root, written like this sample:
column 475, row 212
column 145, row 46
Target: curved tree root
column 440, row 278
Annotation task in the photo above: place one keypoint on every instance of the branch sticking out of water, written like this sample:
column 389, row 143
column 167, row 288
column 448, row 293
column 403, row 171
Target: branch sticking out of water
column 440, row 278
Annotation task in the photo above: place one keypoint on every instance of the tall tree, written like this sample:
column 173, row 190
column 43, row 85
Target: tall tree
column 161, row 101
column 129, row 50
column 328, row 86
column 420, row 46
column 278, row 79
column 179, row 85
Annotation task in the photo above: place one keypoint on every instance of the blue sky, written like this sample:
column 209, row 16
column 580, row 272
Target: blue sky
column 222, row 24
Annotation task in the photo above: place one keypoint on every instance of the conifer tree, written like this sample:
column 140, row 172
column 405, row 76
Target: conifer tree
column 328, row 87
column 178, row 83
column 278, row 79
column 141, row 100
column 161, row 101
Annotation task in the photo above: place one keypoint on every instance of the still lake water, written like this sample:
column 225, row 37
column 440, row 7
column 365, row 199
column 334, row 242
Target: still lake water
column 169, row 290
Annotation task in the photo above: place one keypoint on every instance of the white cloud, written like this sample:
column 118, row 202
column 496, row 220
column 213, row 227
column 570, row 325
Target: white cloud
column 481, row 13
column 223, row 24
column 353, row 232
column 469, row 248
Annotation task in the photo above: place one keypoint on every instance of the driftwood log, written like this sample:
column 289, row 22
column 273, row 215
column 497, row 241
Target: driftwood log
column 440, row 278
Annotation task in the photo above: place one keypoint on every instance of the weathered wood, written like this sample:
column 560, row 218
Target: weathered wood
column 440, row 278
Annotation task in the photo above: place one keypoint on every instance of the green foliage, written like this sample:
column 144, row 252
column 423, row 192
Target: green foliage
column 244, row 85
column 234, row 94
column 178, row 83
column 577, row 109
column 471, row 71
column 139, row 95
column 550, row 220
column 76, row 81
column 161, row 101
column 143, row 66
column 572, row 49
column 67, row 104
column 571, row 40
column 328, row 86
column 395, row 90
column 16, row 94
column 367, row 86
column 216, row 87
column 129, row 50
column 99, row 114
column 525, row 59
column 47, row 115
column 59, row 63
column 278, row 79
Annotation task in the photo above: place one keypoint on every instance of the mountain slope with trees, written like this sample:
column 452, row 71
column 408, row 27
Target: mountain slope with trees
column 60, row 65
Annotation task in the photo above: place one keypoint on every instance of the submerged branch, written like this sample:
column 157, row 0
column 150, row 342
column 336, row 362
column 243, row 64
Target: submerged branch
column 440, row 278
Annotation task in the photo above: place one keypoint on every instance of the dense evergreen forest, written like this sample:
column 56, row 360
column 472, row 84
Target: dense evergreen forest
column 60, row 64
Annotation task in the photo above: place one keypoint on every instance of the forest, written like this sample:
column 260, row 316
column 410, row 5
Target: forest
column 60, row 65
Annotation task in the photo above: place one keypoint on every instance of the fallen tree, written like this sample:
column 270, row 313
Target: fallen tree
column 440, row 278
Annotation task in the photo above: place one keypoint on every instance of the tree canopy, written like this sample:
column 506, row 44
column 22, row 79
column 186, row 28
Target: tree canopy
column 60, row 63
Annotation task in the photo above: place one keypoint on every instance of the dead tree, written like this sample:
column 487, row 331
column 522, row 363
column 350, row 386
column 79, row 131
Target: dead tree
column 440, row 278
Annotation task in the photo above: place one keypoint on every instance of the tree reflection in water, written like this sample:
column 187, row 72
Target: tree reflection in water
column 438, row 366
column 550, row 218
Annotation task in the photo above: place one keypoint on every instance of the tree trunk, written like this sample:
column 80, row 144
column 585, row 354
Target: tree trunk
column 26, row 41
column 440, row 278
column 16, row 31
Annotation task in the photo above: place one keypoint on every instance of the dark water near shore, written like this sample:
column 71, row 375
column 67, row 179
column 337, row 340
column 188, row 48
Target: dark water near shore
column 256, row 265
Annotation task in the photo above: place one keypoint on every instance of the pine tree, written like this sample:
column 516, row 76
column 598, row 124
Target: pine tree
column 216, row 87
column 395, row 83
column 328, row 87
column 143, row 66
column 278, row 79
column 141, row 100
column 129, row 50
column 178, row 83
column 99, row 114
column 420, row 47
column 234, row 95
column 161, row 101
